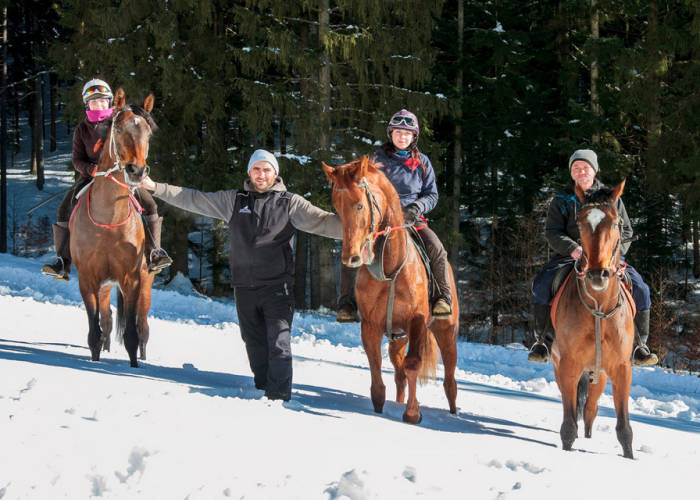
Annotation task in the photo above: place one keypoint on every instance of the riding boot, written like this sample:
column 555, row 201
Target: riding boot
column 544, row 333
column 60, row 269
column 157, row 257
column 641, row 356
column 347, row 307
column 442, row 306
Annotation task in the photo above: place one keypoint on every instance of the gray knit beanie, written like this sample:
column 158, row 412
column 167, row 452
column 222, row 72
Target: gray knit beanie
column 587, row 155
column 262, row 155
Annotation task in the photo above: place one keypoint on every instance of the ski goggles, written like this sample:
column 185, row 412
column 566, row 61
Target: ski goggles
column 406, row 120
column 97, row 89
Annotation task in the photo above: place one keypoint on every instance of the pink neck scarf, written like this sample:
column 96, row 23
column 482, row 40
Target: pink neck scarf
column 97, row 115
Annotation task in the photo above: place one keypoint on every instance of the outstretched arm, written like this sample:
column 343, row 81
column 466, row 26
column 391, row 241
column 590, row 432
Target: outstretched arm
column 307, row 217
column 218, row 205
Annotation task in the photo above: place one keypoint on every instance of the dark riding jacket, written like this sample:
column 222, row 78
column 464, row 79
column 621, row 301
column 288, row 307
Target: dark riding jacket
column 85, row 137
column 561, row 228
column 261, row 227
column 410, row 183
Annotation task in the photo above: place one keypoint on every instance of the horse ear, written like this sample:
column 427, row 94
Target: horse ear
column 364, row 163
column 617, row 192
column 580, row 194
column 148, row 103
column 330, row 172
column 119, row 99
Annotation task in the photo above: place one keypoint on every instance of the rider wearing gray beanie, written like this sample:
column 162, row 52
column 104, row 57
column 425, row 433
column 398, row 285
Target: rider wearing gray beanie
column 587, row 155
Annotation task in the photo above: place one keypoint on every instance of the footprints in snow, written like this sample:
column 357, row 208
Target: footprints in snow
column 137, row 464
column 352, row 485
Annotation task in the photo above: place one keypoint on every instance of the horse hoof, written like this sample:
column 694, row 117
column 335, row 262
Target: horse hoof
column 134, row 364
column 413, row 420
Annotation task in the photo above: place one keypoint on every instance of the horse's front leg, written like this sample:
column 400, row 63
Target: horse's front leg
column 130, row 298
column 397, row 353
column 142, row 308
column 591, row 409
column 567, row 375
column 417, row 333
column 372, row 342
column 90, row 299
column 621, row 380
column 105, row 316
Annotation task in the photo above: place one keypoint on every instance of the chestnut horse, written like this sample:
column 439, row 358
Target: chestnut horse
column 107, row 234
column 594, row 322
column 367, row 203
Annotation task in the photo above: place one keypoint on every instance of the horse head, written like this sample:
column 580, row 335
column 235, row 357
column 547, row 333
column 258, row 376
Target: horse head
column 600, row 227
column 362, row 200
column 131, row 130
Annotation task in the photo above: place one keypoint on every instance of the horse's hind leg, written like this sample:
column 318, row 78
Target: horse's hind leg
column 142, row 308
column 591, row 409
column 447, row 342
column 372, row 342
column 105, row 316
column 621, row 382
column 397, row 353
column 416, row 336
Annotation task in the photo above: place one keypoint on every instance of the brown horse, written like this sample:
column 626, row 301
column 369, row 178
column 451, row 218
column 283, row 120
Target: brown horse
column 107, row 234
column 391, row 287
column 594, row 323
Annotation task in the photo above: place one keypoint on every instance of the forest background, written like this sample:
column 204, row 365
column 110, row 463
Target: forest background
column 505, row 91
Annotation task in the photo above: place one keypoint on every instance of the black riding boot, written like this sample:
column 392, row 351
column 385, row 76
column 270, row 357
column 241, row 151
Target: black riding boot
column 157, row 257
column 60, row 269
column 544, row 333
column 641, row 356
column 442, row 306
column 347, row 307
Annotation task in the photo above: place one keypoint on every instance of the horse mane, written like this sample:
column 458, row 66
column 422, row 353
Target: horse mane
column 138, row 110
column 603, row 194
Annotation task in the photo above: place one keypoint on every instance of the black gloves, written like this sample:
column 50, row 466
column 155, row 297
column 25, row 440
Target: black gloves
column 412, row 212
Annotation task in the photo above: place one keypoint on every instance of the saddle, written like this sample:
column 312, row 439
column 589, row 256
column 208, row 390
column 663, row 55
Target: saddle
column 563, row 276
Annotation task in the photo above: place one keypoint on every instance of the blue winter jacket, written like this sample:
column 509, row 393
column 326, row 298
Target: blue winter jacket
column 410, row 184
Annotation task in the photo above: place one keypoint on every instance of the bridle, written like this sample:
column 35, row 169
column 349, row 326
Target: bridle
column 582, row 289
column 117, row 167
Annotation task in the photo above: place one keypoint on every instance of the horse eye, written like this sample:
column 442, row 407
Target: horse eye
column 358, row 207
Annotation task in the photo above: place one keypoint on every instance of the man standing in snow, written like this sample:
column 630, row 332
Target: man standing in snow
column 261, row 219
column 562, row 234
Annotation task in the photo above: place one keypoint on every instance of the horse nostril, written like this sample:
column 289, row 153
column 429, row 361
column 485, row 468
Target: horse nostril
column 605, row 274
column 355, row 260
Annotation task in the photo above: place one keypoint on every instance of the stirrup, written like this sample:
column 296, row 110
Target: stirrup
column 646, row 357
column 442, row 309
column 158, row 260
column 347, row 314
column 50, row 270
column 539, row 352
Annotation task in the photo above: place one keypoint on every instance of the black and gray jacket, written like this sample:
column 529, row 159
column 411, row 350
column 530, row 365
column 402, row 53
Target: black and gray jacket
column 261, row 227
column 561, row 229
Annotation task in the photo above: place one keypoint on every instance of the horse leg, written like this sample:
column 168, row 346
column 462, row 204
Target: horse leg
column 567, row 378
column 105, row 316
column 131, row 342
column 372, row 342
column 397, row 353
column 591, row 409
column 417, row 333
column 447, row 342
column 94, row 334
column 142, row 308
column 621, row 382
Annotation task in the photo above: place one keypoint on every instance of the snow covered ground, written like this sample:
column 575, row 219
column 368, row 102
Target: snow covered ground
column 189, row 423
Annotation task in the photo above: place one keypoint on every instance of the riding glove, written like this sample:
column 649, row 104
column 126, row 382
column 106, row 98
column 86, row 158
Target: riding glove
column 412, row 212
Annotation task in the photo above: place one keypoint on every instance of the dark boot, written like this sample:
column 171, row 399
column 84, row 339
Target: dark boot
column 442, row 306
column 158, row 259
column 641, row 356
column 347, row 307
column 60, row 269
column 544, row 333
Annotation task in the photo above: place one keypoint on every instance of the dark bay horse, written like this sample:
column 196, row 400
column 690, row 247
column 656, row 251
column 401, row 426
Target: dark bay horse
column 107, row 234
column 398, row 304
column 594, row 322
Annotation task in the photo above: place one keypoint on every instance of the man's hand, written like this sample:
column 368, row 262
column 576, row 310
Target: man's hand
column 147, row 183
column 413, row 211
column 576, row 254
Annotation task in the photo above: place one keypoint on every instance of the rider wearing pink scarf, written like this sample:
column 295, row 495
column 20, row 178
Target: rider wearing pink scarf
column 88, row 140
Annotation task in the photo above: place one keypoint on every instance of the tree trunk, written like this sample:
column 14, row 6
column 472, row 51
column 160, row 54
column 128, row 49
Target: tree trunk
column 324, row 79
column 53, row 83
column 315, row 282
column 457, row 160
column 300, row 265
column 696, row 249
column 175, row 237
column 3, row 138
column 326, row 274
column 595, row 35
column 38, row 134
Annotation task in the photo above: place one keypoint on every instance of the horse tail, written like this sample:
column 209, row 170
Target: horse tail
column 121, row 317
column 582, row 394
column 429, row 358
